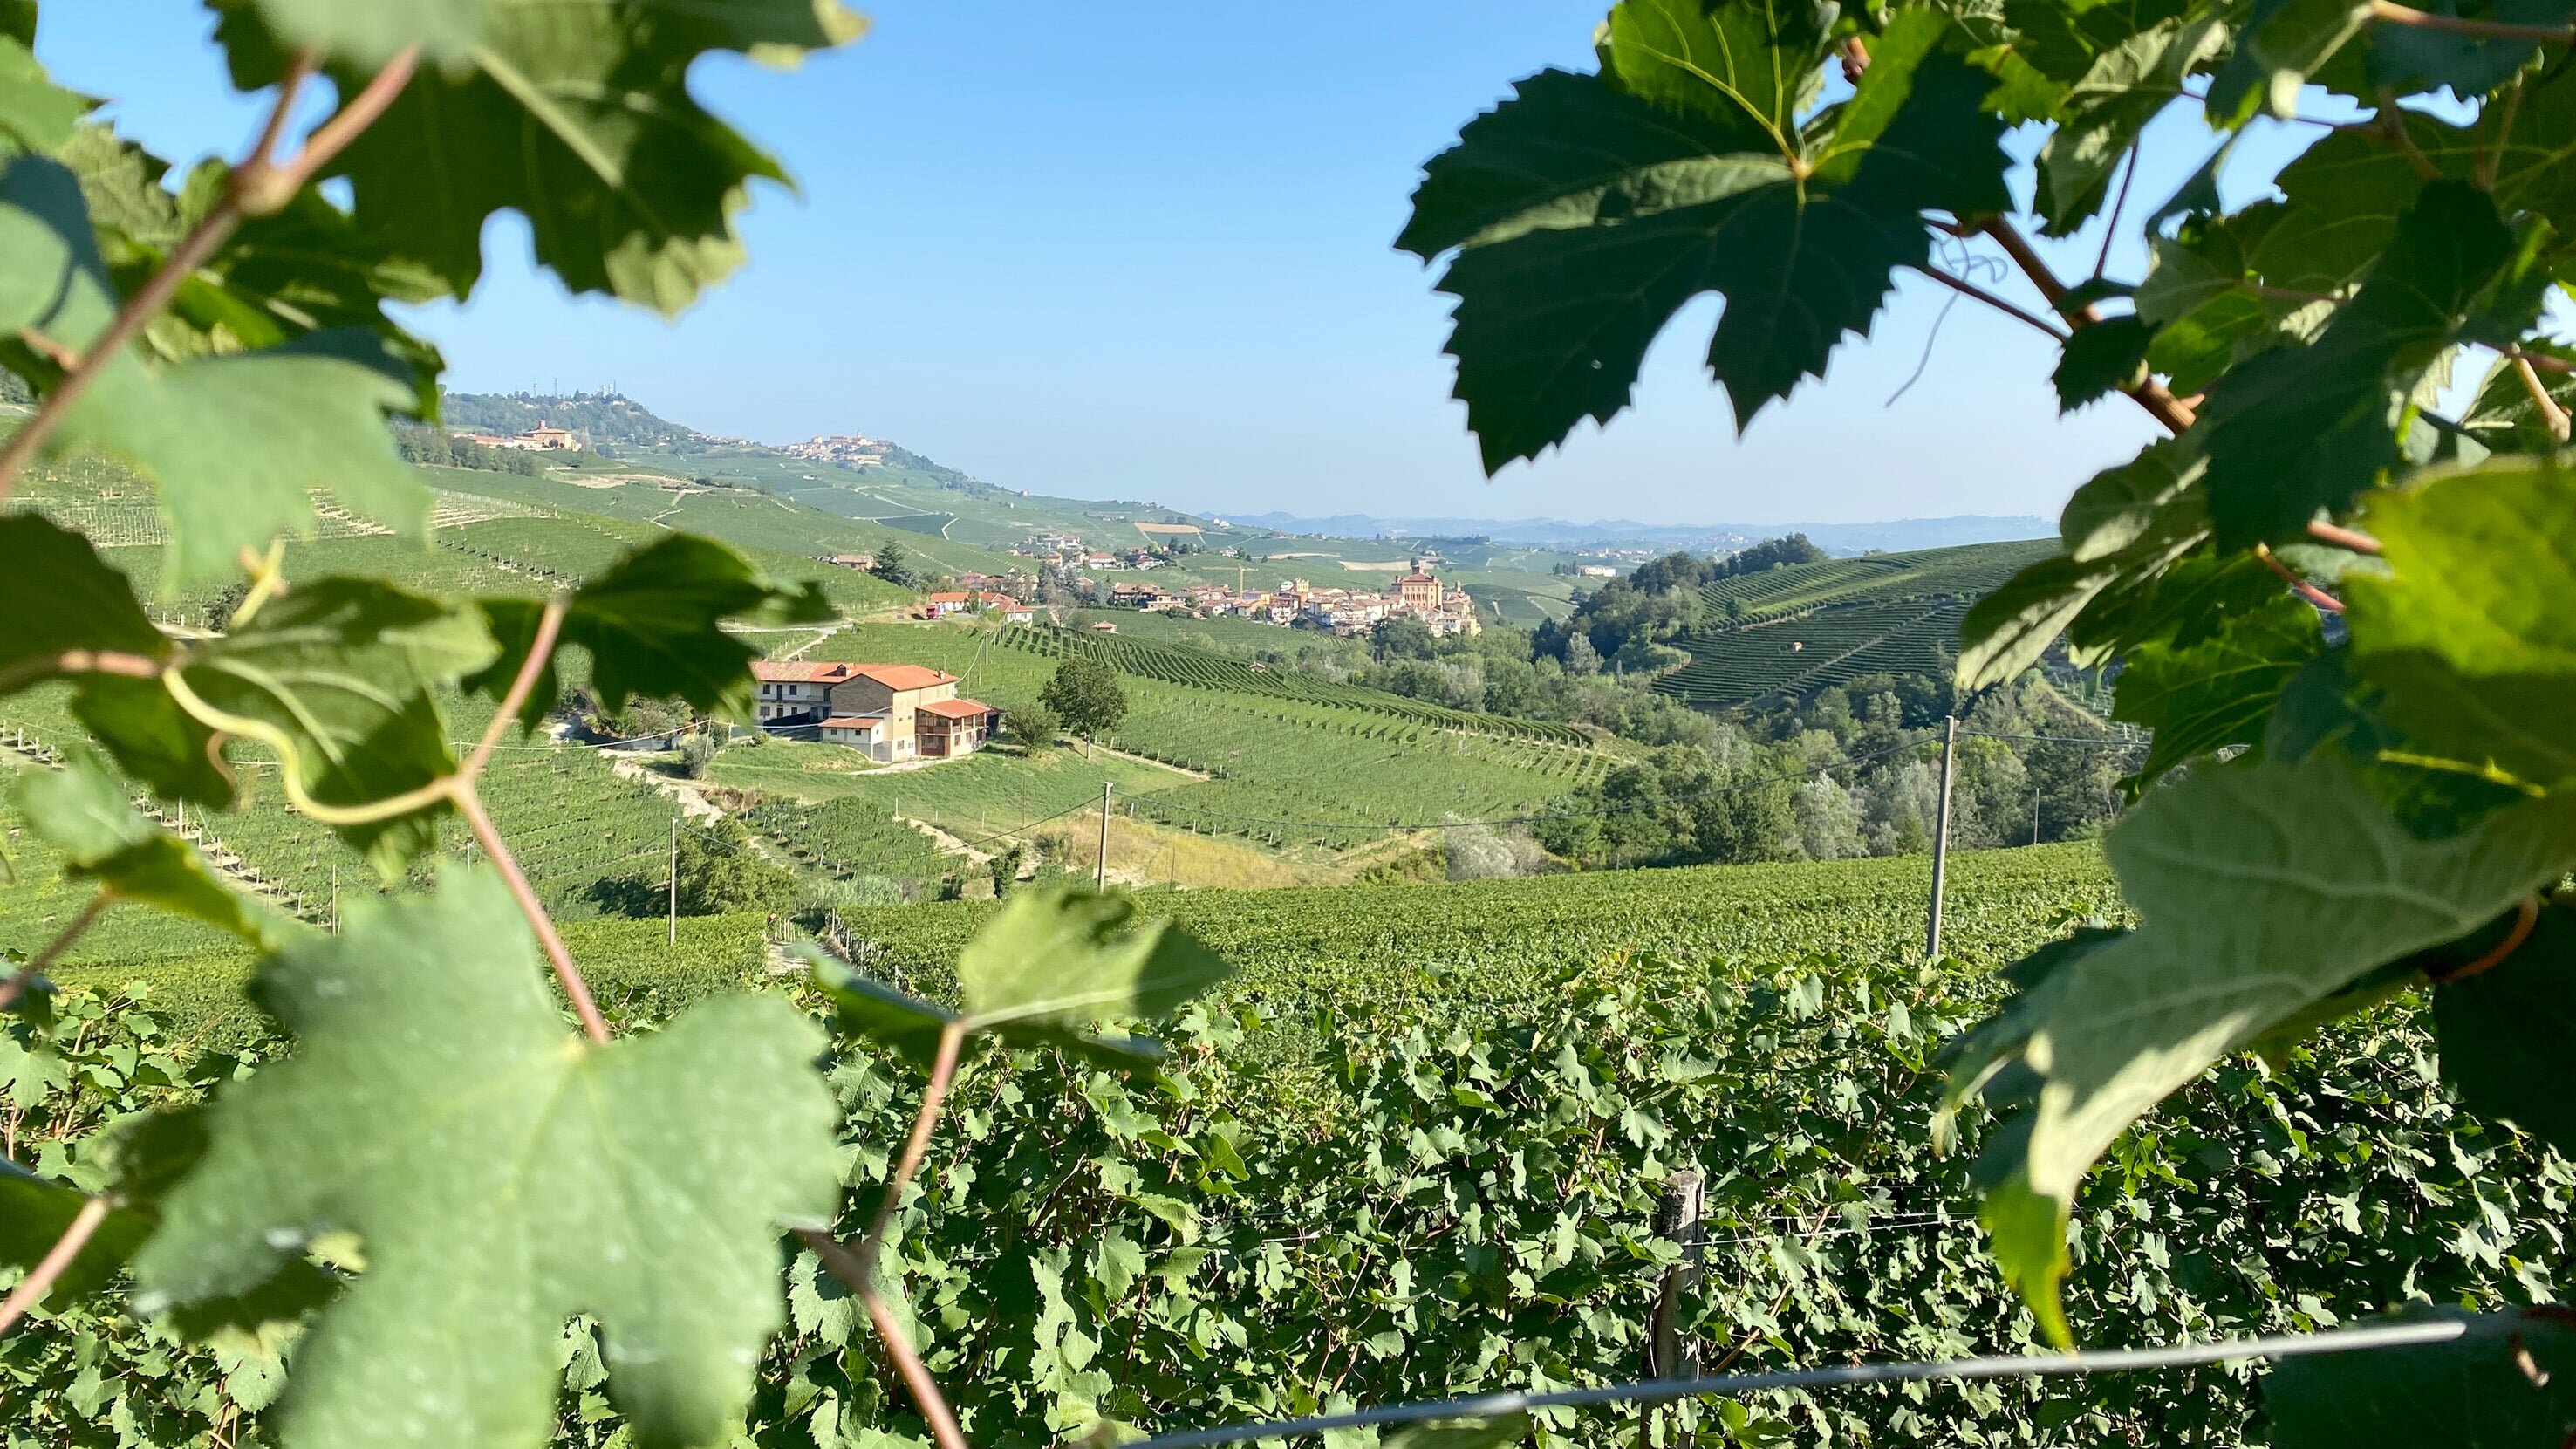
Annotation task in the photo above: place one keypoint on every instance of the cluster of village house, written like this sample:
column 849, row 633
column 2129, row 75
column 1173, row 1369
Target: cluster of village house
column 888, row 712
column 1416, row 595
column 534, row 440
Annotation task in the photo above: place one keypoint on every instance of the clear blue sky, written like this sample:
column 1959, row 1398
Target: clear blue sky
column 1143, row 250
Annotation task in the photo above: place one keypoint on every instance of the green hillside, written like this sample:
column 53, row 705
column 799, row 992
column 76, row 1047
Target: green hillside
column 1805, row 627
column 1279, row 751
column 920, row 498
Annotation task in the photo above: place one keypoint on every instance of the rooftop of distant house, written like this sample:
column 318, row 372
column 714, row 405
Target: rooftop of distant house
column 892, row 676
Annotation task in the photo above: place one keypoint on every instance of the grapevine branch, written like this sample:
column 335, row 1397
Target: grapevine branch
column 2342, row 537
column 56, row 1260
column 12, row 988
column 859, row 1269
column 79, row 661
column 2389, row 13
column 2290, row 576
column 2552, row 416
column 2526, row 918
column 261, row 185
column 2392, row 129
column 2155, row 397
column 459, row 788
column 1971, row 290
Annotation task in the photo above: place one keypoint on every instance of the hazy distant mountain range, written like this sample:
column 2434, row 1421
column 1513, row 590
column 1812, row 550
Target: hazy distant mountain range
column 1846, row 538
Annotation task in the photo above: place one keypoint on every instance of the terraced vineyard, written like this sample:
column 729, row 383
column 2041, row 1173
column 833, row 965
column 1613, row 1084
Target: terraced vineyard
column 1201, row 669
column 1272, row 757
column 1933, row 573
column 1807, row 627
column 571, row 821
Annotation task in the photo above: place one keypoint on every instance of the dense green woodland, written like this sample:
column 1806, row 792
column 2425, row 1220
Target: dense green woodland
column 384, row 1060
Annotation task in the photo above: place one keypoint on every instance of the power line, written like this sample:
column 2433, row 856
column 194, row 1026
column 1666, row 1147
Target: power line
column 2111, row 740
column 2012, row 1366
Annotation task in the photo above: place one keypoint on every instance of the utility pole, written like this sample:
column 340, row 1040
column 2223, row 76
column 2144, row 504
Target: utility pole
column 1102, row 881
column 675, row 880
column 1941, row 838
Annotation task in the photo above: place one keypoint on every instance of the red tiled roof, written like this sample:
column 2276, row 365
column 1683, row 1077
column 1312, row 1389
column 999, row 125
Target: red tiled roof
column 854, row 722
column 947, row 598
column 797, row 672
column 901, row 676
column 957, row 708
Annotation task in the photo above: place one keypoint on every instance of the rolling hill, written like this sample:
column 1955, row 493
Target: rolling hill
column 1792, row 631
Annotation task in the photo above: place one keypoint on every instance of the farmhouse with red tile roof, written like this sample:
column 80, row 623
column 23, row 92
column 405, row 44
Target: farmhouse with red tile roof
column 889, row 711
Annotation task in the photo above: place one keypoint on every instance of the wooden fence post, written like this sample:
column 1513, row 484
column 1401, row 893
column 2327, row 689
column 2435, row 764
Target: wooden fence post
column 1669, row 1354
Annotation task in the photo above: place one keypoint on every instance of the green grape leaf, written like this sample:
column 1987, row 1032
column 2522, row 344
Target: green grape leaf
column 652, row 625
column 503, row 1176
column 447, row 32
column 2104, row 358
column 35, row 1212
column 2409, row 58
column 870, row 1008
column 35, row 114
column 1588, row 209
column 2064, row 39
column 2262, row 890
column 2468, row 633
column 2343, row 197
column 232, row 444
column 2216, row 691
column 18, row 20
column 2123, row 529
column 60, row 596
column 65, row 598
column 2508, row 1033
column 276, row 278
column 2283, row 44
column 82, row 811
column 2105, row 111
column 2509, row 1383
column 2298, row 430
column 338, row 677
column 579, row 117
column 1069, row 958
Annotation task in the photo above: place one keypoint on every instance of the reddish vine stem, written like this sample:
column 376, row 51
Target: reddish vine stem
column 16, row 985
column 260, row 185
column 80, row 661
column 859, row 1269
column 2151, row 395
column 2389, row 13
column 57, row 1259
column 2526, row 918
column 2342, row 537
column 2305, row 590
column 1974, row 292
column 2392, row 129
column 2541, row 360
column 567, row 975
column 2111, row 228
column 2491, row 161
column 2552, row 415
column 541, row 650
column 460, row 790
